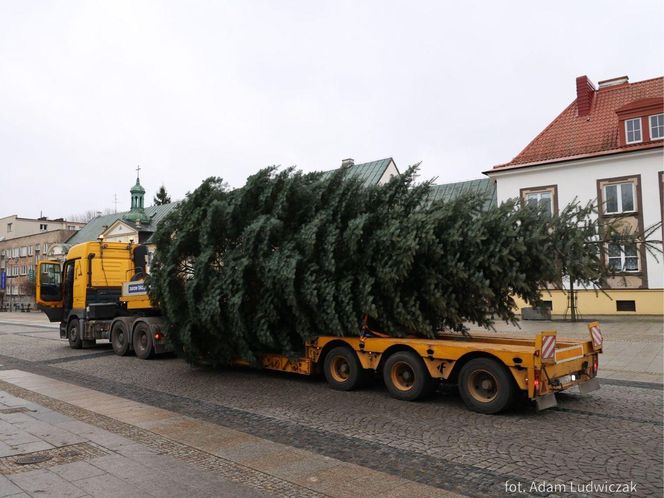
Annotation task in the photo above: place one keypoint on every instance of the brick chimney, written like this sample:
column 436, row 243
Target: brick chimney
column 585, row 90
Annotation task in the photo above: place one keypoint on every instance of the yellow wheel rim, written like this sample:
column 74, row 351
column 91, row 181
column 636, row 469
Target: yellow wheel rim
column 482, row 386
column 340, row 369
column 402, row 376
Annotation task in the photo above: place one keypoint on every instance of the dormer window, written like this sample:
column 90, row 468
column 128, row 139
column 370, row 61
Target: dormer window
column 657, row 127
column 633, row 131
column 641, row 121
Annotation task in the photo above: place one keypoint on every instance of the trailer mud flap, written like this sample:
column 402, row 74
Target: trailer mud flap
column 546, row 401
column 590, row 386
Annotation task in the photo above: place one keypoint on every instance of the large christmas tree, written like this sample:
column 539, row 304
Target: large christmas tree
column 291, row 255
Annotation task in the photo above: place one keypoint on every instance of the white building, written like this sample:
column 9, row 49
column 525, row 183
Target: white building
column 607, row 145
column 14, row 226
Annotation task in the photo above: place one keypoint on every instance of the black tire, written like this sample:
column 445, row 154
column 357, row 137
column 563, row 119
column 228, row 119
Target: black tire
column 120, row 339
column 343, row 370
column 486, row 386
column 406, row 377
column 74, row 334
column 142, row 341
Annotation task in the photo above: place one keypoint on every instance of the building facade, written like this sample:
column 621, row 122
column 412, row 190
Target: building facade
column 18, row 261
column 14, row 226
column 607, row 146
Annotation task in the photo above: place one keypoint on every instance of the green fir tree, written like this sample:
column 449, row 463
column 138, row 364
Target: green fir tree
column 290, row 256
column 161, row 197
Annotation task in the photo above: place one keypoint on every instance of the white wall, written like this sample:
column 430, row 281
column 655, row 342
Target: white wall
column 578, row 179
column 22, row 227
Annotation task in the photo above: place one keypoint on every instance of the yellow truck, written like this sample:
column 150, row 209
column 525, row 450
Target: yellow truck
column 98, row 292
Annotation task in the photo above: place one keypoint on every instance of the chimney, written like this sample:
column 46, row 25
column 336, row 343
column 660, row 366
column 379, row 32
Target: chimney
column 346, row 163
column 585, row 90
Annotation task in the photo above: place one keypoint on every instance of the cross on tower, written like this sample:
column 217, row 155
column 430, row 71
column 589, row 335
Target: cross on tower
column 138, row 169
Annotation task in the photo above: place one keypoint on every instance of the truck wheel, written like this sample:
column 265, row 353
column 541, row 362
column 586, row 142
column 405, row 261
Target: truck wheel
column 343, row 371
column 406, row 377
column 74, row 334
column 486, row 386
column 143, row 341
column 120, row 339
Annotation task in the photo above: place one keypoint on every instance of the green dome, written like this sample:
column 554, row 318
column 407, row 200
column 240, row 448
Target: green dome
column 138, row 188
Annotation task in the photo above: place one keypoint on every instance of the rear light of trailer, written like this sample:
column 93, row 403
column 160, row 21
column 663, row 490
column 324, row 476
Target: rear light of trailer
column 595, row 364
column 536, row 382
column 158, row 336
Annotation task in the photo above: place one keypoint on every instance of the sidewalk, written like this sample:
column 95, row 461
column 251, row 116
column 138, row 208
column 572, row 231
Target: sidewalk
column 86, row 443
column 46, row 453
column 36, row 319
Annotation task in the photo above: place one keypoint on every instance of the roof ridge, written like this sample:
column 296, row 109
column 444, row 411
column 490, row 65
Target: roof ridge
column 626, row 85
column 374, row 161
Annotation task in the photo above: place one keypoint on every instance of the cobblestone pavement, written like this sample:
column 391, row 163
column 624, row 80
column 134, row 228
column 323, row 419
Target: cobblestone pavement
column 610, row 435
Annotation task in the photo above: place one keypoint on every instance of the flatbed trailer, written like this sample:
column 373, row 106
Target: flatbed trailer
column 97, row 293
column 489, row 370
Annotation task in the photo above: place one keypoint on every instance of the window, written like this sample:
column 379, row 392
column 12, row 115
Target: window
column 23, row 252
column 633, row 130
column 542, row 197
column 623, row 258
column 619, row 198
column 625, row 305
column 43, row 226
column 9, row 227
column 541, row 200
column 657, row 127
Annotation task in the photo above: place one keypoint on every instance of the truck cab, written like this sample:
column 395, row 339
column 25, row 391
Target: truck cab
column 84, row 293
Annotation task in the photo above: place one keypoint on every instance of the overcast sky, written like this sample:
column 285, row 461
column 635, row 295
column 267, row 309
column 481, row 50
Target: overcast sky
column 192, row 89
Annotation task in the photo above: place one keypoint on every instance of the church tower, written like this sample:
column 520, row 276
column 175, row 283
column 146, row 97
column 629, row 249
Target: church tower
column 137, row 212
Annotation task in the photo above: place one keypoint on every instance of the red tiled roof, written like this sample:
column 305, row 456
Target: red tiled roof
column 570, row 136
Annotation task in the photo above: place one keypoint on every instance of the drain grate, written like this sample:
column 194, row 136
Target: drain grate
column 49, row 458
column 32, row 459
column 18, row 409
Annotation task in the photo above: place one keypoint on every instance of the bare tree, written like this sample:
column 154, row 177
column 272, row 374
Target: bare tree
column 88, row 215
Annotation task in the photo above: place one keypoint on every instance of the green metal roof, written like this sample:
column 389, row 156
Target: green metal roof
column 370, row 173
column 97, row 225
column 484, row 187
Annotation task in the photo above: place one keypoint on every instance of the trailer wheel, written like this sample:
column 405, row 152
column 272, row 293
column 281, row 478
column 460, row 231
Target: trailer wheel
column 143, row 345
column 343, row 371
column 74, row 334
column 486, row 386
column 120, row 339
column 406, row 377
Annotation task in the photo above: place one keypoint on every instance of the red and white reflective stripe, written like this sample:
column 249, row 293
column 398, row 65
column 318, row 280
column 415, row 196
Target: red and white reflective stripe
column 597, row 336
column 548, row 346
